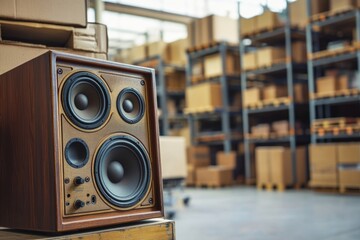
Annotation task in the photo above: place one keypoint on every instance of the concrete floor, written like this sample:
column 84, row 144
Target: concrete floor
column 245, row 213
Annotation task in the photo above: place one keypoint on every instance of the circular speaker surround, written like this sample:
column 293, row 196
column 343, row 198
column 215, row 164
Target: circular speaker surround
column 86, row 100
column 122, row 171
column 76, row 153
column 130, row 105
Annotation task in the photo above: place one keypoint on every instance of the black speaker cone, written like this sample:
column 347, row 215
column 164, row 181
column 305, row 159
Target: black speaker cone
column 76, row 153
column 130, row 105
column 86, row 100
column 122, row 171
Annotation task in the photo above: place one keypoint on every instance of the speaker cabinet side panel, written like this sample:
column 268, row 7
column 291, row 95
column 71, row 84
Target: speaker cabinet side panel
column 27, row 165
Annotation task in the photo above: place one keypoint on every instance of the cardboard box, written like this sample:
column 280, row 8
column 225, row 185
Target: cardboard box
column 213, row 65
column 262, row 159
column 14, row 54
column 323, row 165
column 205, row 95
column 173, row 157
column 326, row 84
column 281, row 127
column 269, row 56
column 249, row 61
column 138, row 53
column 214, row 176
column 226, row 159
column 191, row 176
column 348, row 153
column 175, row 81
column 93, row 38
column 158, row 48
column 274, row 91
column 177, row 51
column 197, row 69
column 64, row 12
column 267, row 21
column 342, row 5
column 349, row 178
column 299, row 52
column 252, row 96
column 298, row 11
column 198, row 156
column 301, row 93
column 261, row 130
column 247, row 25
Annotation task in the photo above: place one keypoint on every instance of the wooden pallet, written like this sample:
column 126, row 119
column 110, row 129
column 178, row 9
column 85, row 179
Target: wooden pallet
column 349, row 129
column 200, row 79
column 271, row 29
column 211, row 138
column 325, row 15
column 269, row 102
column 340, row 122
column 212, row 186
column 332, row 53
column 349, row 189
column 279, row 187
column 273, row 63
column 201, row 110
column 339, row 93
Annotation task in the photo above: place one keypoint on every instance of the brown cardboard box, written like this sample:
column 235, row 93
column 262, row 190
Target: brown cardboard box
column 247, row 25
column 269, row 56
column 138, row 53
column 349, row 153
column 249, row 61
column 262, row 159
column 226, row 159
column 158, row 48
column 267, row 21
column 252, row 96
column 222, row 29
column 183, row 132
column 298, row 11
column 261, row 130
column 349, row 178
column 64, row 12
column 14, row 54
column 175, row 81
column 274, row 91
column 203, row 96
column 93, row 38
column 198, row 69
column 326, row 84
column 281, row 127
column 173, row 157
column 198, row 156
column 191, row 176
column 323, row 165
column 213, row 66
column 177, row 51
column 301, row 93
column 299, row 52
column 343, row 82
column 342, row 5
column 214, row 176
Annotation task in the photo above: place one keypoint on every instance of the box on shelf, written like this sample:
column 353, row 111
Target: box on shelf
column 301, row 93
column 177, row 51
column 323, row 165
column 268, row 21
column 298, row 11
column 252, row 96
column 274, row 91
column 343, row 5
column 14, row 54
column 262, row 165
column 204, row 95
column 261, row 130
column 173, row 157
column 349, row 177
column 191, row 175
column 138, row 53
column 93, row 38
column 249, row 61
column 281, row 128
column 326, row 84
column 299, row 52
column 64, row 12
column 247, row 25
column 158, row 48
column 198, row 156
column 216, row 176
column 226, row 159
column 183, row 132
column 348, row 153
column 269, row 56
column 197, row 69
column 175, row 81
column 213, row 66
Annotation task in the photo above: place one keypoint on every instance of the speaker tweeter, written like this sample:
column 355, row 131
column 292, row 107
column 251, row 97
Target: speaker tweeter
column 130, row 105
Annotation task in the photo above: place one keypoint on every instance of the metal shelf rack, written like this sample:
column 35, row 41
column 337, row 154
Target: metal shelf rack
column 163, row 94
column 321, row 107
column 225, row 113
column 288, row 69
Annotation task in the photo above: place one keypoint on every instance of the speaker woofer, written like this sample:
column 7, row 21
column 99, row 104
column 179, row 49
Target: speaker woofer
column 76, row 153
column 130, row 105
column 86, row 100
column 122, row 171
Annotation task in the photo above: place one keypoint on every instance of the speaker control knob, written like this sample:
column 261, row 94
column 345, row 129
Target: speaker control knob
column 78, row 181
column 79, row 204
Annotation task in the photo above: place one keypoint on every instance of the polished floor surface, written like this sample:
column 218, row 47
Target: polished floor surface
column 245, row 213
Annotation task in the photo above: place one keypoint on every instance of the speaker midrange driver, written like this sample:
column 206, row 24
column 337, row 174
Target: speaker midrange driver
column 130, row 105
column 122, row 171
column 86, row 100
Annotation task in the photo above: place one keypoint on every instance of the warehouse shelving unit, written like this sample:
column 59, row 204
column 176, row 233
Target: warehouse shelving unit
column 166, row 120
column 327, row 107
column 223, row 135
column 281, row 73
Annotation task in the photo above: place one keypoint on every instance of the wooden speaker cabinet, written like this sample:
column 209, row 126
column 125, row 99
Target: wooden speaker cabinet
column 79, row 144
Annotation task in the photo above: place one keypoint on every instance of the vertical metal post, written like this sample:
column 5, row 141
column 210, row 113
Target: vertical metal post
column 245, row 116
column 99, row 9
column 290, row 87
column 310, row 66
column 225, row 118
column 163, row 96
column 357, row 27
column 191, row 118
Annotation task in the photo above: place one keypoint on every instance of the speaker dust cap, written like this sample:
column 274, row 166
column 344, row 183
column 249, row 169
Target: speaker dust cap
column 122, row 171
column 86, row 100
column 130, row 105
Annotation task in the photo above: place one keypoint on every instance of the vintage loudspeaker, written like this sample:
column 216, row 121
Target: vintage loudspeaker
column 79, row 144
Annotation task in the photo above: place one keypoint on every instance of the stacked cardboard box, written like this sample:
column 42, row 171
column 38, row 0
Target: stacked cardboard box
column 298, row 11
column 175, row 81
column 266, row 21
column 213, row 66
column 274, row 166
column 343, row 5
column 198, row 157
column 203, row 96
column 335, row 81
column 28, row 30
column 349, row 165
